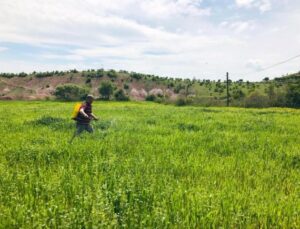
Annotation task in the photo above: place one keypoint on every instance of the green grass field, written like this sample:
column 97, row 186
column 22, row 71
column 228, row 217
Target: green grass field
column 149, row 166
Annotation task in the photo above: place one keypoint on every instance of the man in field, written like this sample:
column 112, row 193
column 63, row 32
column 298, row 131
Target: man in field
column 84, row 117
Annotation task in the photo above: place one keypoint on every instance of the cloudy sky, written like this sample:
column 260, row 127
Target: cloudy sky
column 180, row 38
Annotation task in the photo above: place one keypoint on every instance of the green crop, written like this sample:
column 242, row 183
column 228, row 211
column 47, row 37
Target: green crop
column 149, row 166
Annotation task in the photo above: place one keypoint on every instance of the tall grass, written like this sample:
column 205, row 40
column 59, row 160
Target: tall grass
column 149, row 165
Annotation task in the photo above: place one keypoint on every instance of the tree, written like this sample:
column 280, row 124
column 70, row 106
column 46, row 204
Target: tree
column 106, row 90
column 150, row 97
column 70, row 92
column 120, row 95
column 126, row 86
column 238, row 94
column 178, row 88
column 293, row 95
column 112, row 74
column 22, row 74
column 137, row 76
column 270, row 91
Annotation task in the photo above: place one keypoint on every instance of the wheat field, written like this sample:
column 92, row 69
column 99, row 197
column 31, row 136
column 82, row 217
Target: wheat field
column 149, row 166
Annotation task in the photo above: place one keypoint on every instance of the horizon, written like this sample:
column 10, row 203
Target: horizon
column 179, row 39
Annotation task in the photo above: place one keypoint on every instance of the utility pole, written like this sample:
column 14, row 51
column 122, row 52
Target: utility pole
column 187, row 90
column 227, row 84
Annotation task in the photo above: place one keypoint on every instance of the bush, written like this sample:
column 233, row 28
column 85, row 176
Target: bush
column 126, row 86
column 99, row 73
column 293, row 95
column 255, row 99
column 106, row 90
column 73, row 71
column 112, row 74
column 150, row 97
column 238, row 94
column 7, row 75
column 88, row 80
column 178, row 88
column 159, row 100
column 181, row 102
column 70, row 92
column 44, row 74
column 22, row 74
column 279, row 100
column 120, row 95
column 136, row 76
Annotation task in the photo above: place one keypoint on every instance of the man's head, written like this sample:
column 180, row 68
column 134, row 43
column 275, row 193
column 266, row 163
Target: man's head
column 90, row 98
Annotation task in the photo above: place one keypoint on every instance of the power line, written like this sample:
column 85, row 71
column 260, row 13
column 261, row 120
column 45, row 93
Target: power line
column 273, row 65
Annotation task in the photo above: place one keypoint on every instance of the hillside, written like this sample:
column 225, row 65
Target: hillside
column 42, row 85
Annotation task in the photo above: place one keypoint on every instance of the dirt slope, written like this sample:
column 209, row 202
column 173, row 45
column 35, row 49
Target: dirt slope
column 34, row 88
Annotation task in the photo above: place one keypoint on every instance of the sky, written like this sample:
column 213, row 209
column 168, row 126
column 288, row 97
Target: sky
column 199, row 39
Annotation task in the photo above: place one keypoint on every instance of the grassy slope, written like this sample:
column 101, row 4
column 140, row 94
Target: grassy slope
column 149, row 165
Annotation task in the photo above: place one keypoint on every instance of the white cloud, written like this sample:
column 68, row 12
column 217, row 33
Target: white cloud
column 255, row 65
column 246, row 3
column 239, row 26
column 63, row 57
column 262, row 5
column 168, row 8
column 3, row 49
column 167, row 37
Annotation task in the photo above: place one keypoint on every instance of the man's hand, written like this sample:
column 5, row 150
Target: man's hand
column 94, row 117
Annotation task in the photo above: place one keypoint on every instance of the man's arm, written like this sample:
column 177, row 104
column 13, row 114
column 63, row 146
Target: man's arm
column 94, row 117
column 81, row 111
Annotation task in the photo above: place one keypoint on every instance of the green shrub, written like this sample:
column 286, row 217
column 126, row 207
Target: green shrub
column 112, row 74
column 181, row 102
column 106, row 89
column 136, row 76
column 280, row 100
column 293, row 95
column 150, row 98
column 70, row 92
column 22, row 74
column 178, row 88
column 238, row 94
column 255, row 99
column 159, row 99
column 88, row 80
column 126, row 86
column 120, row 95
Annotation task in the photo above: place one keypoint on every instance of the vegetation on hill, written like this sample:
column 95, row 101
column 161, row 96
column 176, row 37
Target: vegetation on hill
column 70, row 92
column 279, row 92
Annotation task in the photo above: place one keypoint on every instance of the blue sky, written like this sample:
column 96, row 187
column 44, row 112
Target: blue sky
column 180, row 38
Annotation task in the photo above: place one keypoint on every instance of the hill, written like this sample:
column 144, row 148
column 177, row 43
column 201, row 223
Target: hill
column 292, row 78
column 42, row 85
